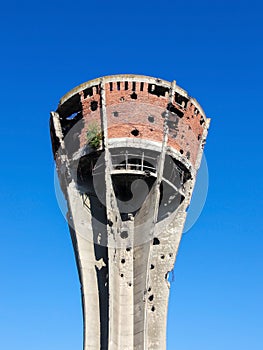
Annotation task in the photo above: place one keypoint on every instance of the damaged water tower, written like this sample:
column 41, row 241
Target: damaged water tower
column 127, row 149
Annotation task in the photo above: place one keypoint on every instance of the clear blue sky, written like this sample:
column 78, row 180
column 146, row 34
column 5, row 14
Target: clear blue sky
column 214, row 50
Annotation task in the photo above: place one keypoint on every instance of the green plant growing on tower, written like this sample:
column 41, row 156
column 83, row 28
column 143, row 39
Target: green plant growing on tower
column 94, row 135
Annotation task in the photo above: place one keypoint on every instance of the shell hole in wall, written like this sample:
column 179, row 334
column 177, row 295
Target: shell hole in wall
column 153, row 308
column 175, row 110
column 134, row 96
column 152, row 267
column 156, row 241
column 124, row 234
column 151, row 119
column 123, row 261
column 128, row 249
column 151, row 297
column 93, row 105
column 88, row 92
column 116, row 114
column 157, row 90
column 162, row 256
column 121, row 275
column 135, row 132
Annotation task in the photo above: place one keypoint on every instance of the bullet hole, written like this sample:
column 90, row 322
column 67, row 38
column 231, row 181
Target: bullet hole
column 124, row 234
column 129, row 284
column 123, row 261
column 116, row 114
column 162, row 256
column 152, row 267
column 153, row 308
column 170, row 255
column 151, row 297
column 121, row 275
column 126, row 85
column 134, row 96
column 151, row 119
column 128, row 249
column 181, row 151
column 135, row 132
column 93, row 105
column 156, row 241
column 188, row 155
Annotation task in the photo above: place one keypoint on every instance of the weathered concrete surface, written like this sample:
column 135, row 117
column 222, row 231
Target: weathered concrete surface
column 151, row 134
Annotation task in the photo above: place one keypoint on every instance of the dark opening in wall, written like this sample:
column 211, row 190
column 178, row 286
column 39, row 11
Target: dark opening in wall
column 171, row 108
column 156, row 241
column 123, row 261
column 141, row 86
column 118, row 85
column 181, row 151
column 135, row 132
column 116, row 114
column 111, row 86
column 93, row 105
column 121, row 274
column 188, row 155
column 151, row 297
column 162, row 256
column 134, row 86
column 134, row 96
column 124, row 234
column 126, row 85
column 88, row 92
column 151, row 119
column 149, row 289
column 153, row 308
column 152, row 267
column 202, row 121
column 181, row 100
column 128, row 249
column 157, row 90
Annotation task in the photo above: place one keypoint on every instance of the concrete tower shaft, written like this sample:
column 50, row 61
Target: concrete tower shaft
column 127, row 150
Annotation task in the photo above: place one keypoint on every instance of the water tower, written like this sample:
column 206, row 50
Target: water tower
column 127, row 150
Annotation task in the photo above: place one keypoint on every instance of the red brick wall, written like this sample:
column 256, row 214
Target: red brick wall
column 125, row 114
